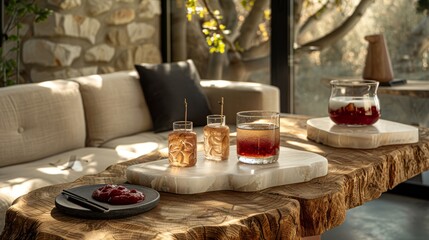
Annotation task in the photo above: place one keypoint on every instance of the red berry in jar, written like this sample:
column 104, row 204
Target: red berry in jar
column 354, row 102
column 353, row 111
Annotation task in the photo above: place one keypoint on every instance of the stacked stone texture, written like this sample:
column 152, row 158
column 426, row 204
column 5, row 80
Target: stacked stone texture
column 84, row 37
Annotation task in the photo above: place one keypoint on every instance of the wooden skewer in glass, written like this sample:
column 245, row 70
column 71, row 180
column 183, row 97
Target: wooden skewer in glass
column 216, row 137
column 182, row 143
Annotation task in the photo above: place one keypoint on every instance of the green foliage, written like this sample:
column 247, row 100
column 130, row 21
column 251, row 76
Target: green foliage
column 7, row 68
column 15, row 13
column 213, row 38
column 215, row 43
column 211, row 27
column 192, row 9
column 247, row 4
column 423, row 6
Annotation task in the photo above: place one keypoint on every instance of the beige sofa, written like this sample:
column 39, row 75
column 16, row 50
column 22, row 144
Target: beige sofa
column 100, row 120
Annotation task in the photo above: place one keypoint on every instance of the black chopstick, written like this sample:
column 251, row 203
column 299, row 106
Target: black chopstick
column 84, row 202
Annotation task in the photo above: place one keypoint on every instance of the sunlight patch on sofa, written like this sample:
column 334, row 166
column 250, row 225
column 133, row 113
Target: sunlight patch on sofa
column 81, row 164
column 135, row 150
column 59, row 86
column 20, row 186
column 93, row 80
column 53, row 171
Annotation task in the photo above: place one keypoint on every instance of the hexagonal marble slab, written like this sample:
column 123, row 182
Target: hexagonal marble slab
column 383, row 132
column 293, row 166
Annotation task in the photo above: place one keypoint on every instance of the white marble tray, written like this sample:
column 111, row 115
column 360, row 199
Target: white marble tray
column 293, row 166
column 382, row 133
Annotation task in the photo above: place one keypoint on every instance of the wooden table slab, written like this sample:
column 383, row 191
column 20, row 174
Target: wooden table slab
column 284, row 212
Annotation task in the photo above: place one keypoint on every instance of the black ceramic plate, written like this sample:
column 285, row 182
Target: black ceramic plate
column 116, row 211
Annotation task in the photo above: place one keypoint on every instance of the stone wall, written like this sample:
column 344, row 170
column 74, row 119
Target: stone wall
column 84, row 37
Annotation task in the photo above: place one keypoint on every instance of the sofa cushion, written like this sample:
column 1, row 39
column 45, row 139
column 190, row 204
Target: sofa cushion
column 144, row 143
column 165, row 86
column 114, row 106
column 39, row 120
column 18, row 180
column 241, row 96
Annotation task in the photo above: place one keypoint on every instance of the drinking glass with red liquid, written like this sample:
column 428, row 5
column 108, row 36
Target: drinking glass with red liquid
column 354, row 102
column 258, row 137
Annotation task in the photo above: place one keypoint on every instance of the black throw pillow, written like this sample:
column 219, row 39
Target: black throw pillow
column 165, row 86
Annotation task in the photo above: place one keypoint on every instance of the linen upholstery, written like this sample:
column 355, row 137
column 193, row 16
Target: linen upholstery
column 240, row 96
column 114, row 106
column 144, row 143
column 39, row 120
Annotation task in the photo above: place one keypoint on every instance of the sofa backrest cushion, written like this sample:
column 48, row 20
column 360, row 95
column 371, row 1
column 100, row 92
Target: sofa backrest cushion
column 39, row 120
column 114, row 106
column 241, row 96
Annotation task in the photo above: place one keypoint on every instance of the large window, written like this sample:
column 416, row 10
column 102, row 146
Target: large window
column 302, row 43
column 227, row 39
column 406, row 35
column 317, row 57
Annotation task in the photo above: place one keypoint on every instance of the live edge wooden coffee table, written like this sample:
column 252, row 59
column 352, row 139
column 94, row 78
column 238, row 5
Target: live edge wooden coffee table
column 285, row 212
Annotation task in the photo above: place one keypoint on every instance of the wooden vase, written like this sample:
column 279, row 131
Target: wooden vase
column 377, row 64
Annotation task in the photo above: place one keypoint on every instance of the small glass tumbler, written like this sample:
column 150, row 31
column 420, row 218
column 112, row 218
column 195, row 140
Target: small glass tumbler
column 182, row 145
column 354, row 102
column 216, row 138
column 258, row 137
